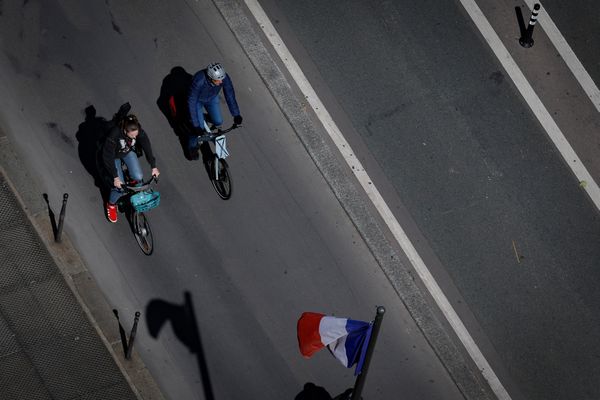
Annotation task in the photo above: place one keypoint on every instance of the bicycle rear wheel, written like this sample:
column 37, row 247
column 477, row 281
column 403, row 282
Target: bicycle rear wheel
column 142, row 232
column 222, row 184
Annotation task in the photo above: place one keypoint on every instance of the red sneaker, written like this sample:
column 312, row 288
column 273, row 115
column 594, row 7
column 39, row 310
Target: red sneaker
column 111, row 212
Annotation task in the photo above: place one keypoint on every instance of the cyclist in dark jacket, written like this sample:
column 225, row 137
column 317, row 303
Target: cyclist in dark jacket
column 204, row 93
column 121, row 144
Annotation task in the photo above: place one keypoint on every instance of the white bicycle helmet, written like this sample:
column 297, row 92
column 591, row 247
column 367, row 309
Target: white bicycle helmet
column 216, row 72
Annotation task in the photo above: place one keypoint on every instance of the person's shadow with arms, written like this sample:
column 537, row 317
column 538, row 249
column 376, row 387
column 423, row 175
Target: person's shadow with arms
column 314, row 392
column 172, row 102
column 90, row 135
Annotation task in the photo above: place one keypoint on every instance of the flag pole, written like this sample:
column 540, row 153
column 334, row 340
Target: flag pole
column 360, row 379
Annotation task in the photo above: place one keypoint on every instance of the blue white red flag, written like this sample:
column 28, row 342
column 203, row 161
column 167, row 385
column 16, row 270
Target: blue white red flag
column 345, row 338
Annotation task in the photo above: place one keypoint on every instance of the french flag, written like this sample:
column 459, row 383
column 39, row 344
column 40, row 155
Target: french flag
column 345, row 338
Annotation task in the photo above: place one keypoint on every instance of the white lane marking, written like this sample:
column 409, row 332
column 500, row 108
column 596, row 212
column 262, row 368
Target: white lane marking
column 548, row 123
column 375, row 196
column 568, row 55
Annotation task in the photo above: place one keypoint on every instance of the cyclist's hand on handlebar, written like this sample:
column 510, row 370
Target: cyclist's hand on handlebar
column 200, row 131
column 237, row 119
column 117, row 182
column 155, row 172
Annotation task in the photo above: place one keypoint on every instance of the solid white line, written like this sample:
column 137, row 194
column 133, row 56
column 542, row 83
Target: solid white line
column 534, row 101
column 376, row 198
column 568, row 55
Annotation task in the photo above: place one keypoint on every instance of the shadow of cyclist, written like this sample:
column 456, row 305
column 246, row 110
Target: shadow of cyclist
column 172, row 102
column 314, row 392
column 90, row 135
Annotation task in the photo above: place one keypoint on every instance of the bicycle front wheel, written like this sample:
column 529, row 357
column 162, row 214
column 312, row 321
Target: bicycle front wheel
column 142, row 232
column 222, row 182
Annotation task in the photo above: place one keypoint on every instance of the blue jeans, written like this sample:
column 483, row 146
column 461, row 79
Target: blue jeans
column 134, row 171
column 216, row 118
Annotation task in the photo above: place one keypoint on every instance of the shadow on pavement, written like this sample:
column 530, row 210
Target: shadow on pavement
column 520, row 21
column 90, row 135
column 172, row 102
column 184, row 324
column 51, row 215
column 122, row 334
column 314, row 392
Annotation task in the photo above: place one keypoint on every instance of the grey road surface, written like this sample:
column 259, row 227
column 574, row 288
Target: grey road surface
column 578, row 22
column 282, row 245
column 449, row 137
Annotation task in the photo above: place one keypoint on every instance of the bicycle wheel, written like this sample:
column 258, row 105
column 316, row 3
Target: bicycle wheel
column 222, row 184
column 142, row 232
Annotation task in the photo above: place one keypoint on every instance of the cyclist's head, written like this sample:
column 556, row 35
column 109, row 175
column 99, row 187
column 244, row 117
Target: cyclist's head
column 216, row 72
column 131, row 126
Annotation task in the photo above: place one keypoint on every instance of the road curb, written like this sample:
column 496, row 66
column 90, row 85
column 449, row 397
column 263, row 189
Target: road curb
column 76, row 275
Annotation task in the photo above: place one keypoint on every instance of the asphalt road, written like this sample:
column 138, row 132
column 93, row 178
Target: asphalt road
column 578, row 22
column 282, row 245
column 450, row 139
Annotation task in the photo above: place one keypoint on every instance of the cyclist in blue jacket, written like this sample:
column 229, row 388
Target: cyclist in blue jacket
column 204, row 93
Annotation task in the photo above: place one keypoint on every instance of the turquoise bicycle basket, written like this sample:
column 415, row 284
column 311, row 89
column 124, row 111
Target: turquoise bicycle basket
column 145, row 200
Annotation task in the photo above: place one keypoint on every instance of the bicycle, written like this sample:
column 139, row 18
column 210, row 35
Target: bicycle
column 139, row 199
column 220, row 177
column 218, row 169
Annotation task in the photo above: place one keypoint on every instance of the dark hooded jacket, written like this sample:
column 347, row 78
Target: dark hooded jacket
column 117, row 145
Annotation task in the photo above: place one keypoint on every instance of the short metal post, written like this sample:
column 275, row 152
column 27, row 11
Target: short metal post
column 360, row 380
column 61, row 218
column 132, row 335
column 527, row 40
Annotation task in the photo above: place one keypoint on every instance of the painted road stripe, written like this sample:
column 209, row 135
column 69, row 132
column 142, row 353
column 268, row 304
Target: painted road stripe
column 383, row 209
column 534, row 101
column 568, row 55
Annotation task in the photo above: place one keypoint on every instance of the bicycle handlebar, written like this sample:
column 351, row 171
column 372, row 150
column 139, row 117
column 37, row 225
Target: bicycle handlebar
column 143, row 186
column 218, row 132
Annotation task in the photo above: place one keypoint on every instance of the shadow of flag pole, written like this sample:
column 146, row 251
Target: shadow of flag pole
column 360, row 379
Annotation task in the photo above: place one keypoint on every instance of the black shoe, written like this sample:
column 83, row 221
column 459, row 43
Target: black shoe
column 194, row 154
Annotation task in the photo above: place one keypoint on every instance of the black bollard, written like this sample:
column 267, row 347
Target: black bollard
column 132, row 335
column 527, row 40
column 61, row 218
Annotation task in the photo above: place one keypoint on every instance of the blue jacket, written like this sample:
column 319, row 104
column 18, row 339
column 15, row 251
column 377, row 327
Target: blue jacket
column 203, row 91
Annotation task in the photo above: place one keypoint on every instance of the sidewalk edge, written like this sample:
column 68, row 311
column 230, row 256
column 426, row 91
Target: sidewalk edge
column 76, row 276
